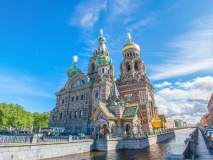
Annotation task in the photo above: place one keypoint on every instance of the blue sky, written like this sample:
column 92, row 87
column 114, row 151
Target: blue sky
column 39, row 38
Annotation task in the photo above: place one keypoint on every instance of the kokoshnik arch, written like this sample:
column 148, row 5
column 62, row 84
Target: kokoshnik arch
column 98, row 102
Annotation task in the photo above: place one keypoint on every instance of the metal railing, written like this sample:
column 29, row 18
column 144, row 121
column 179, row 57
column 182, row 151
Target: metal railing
column 190, row 149
column 14, row 139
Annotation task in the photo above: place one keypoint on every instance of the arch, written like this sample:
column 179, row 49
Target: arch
column 92, row 68
column 136, row 66
column 128, row 68
column 133, row 53
column 127, row 127
column 127, row 54
column 81, row 114
column 78, row 83
column 130, row 53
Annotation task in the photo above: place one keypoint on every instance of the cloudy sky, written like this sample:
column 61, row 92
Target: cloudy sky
column 39, row 38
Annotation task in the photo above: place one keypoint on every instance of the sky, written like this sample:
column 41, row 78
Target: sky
column 39, row 38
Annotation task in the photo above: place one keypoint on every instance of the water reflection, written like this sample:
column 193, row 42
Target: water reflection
column 154, row 152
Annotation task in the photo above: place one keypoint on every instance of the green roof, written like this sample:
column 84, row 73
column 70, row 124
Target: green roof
column 107, row 111
column 130, row 112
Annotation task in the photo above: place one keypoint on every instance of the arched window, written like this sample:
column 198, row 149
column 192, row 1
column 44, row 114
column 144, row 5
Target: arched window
column 102, row 70
column 130, row 53
column 81, row 114
column 53, row 117
column 92, row 68
column 136, row 66
column 76, row 114
column 127, row 54
column 78, row 83
column 71, row 115
column 61, row 115
column 108, row 71
column 128, row 67
column 134, row 54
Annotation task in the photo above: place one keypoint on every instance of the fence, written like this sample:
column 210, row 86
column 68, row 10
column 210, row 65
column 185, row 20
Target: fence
column 189, row 151
column 14, row 139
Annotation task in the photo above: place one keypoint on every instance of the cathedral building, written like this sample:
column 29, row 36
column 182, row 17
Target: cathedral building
column 98, row 102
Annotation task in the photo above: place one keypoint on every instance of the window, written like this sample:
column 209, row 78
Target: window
column 81, row 114
column 76, row 114
column 53, row 117
column 96, row 95
column 143, row 96
column 78, row 83
column 102, row 70
column 128, row 67
column 71, row 115
column 136, row 66
column 76, row 98
column 143, row 107
column 127, row 82
column 62, row 102
column 127, row 54
column 92, row 68
column 82, row 97
column 130, row 53
column 61, row 116
column 72, row 99
column 108, row 71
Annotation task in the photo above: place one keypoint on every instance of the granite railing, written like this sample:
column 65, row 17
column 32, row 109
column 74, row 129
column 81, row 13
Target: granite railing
column 189, row 151
column 36, row 139
column 14, row 139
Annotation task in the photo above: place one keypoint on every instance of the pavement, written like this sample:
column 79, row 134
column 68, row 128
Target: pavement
column 202, row 149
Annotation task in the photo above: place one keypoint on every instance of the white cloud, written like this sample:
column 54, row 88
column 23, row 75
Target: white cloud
column 12, row 85
column 21, row 99
column 87, row 13
column 189, row 52
column 187, row 100
column 160, row 85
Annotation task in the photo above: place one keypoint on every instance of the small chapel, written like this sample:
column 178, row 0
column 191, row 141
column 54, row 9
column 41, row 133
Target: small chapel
column 98, row 102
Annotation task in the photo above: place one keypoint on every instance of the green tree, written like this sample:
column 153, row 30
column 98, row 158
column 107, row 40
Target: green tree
column 15, row 116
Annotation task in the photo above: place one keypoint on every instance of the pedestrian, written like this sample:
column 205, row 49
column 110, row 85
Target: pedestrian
column 92, row 135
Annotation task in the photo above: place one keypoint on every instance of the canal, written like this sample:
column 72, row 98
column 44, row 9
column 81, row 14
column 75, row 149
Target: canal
column 154, row 152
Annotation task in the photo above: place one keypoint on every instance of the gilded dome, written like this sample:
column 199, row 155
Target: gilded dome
column 130, row 45
column 104, row 60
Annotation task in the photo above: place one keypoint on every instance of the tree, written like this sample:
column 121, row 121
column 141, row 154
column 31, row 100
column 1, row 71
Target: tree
column 15, row 116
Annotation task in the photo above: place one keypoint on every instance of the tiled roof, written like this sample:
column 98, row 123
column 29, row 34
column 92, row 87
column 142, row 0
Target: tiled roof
column 107, row 111
column 130, row 112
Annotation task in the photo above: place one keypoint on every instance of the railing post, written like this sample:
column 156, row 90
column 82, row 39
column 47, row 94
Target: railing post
column 70, row 138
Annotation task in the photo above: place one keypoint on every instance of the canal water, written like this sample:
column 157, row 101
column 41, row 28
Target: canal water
column 154, row 152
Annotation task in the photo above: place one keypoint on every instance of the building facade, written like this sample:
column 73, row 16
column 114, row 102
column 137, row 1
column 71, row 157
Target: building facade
column 170, row 123
column 210, row 109
column 98, row 102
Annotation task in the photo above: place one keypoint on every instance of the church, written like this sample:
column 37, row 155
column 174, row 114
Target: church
column 99, row 102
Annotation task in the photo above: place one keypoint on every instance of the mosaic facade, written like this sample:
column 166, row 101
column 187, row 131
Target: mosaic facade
column 98, row 102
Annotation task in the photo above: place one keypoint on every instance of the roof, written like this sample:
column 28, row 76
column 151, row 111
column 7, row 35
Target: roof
column 107, row 112
column 162, row 117
column 130, row 112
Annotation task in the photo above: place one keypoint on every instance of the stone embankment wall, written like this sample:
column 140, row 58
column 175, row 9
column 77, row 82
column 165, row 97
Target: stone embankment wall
column 48, row 150
column 113, row 144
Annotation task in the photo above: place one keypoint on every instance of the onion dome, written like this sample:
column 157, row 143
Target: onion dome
column 104, row 60
column 130, row 44
column 73, row 70
column 101, row 38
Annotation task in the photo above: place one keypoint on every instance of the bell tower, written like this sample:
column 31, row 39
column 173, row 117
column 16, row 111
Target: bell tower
column 133, row 84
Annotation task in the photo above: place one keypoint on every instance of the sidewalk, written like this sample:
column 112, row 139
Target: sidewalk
column 202, row 149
